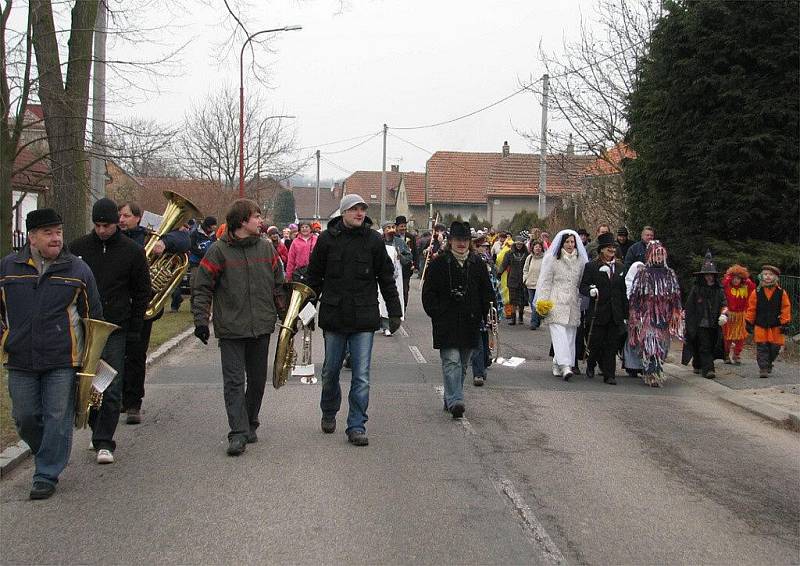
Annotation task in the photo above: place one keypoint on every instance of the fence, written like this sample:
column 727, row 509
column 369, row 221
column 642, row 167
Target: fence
column 18, row 240
column 792, row 286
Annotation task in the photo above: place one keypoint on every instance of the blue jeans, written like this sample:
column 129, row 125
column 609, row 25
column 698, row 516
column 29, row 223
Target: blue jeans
column 43, row 407
column 454, row 369
column 104, row 421
column 359, row 345
column 535, row 320
column 480, row 357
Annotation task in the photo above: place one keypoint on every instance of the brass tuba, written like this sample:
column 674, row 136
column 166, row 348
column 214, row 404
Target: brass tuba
column 95, row 335
column 167, row 270
column 285, row 354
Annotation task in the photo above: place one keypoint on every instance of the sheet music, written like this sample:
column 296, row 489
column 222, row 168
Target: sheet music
column 104, row 376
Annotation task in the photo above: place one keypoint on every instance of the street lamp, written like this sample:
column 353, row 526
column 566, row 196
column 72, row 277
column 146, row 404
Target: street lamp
column 241, row 99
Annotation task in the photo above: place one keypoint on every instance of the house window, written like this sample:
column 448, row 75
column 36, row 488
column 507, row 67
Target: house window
column 373, row 197
column 496, row 201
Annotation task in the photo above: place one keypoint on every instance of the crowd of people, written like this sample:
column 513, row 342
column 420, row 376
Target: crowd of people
column 601, row 300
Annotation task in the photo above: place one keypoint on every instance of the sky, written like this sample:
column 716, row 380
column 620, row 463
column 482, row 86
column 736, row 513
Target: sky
column 358, row 64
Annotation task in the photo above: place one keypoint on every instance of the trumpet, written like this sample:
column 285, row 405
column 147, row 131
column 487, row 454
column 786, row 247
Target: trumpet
column 493, row 324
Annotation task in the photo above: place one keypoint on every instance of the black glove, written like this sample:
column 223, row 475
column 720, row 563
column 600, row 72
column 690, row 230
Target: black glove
column 202, row 332
column 749, row 327
column 394, row 324
column 784, row 328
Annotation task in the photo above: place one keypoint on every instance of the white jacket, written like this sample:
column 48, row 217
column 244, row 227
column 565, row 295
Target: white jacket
column 530, row 273
column 561, row 287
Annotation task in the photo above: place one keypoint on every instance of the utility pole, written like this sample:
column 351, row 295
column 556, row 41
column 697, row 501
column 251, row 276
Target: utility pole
column 383, row 177
column 543, row 152
column 98, row 169
column 316, row 195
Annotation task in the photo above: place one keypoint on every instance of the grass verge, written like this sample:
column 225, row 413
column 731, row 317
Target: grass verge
column 169, row 325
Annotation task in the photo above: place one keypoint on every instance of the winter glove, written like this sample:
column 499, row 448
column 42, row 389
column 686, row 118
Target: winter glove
column 394, row 324
column 784, row 328
column 722, row 320
column 749, row 327
column 593, row 292
column 202, row 332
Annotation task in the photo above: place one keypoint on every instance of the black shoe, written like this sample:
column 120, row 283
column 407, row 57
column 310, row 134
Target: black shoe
column 42, row 490
column 576, row 370
column 632, row 372
column 512, row 322
column 696, row 370
column 237, row 445
column 710, row 375
column 358, row 438
column 590, row 372
column 478, row 380
column 457, row 410
column 328, row 425
column 252, row 437
column 610, row 380
column 134, row 416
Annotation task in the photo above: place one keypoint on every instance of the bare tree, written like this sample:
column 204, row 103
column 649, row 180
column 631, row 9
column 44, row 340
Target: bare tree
column 210, row 141
column 143, row 147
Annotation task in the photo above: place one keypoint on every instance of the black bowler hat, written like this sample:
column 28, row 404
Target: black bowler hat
column 401, row 220
column 605, row 240
column 460, row 230
column 42, row 217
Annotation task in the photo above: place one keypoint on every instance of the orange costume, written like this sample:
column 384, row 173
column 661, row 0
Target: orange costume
column 768, row 311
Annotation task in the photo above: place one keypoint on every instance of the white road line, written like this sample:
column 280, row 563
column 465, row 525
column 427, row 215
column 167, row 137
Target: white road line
column 403, row 332
column 417, row 355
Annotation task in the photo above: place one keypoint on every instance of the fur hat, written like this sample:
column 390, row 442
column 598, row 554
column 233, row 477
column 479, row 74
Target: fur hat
column 41, row 218
column 771, row 268
column 460, row 230
column 709, row 267
column 605, row 240
column 737, row 270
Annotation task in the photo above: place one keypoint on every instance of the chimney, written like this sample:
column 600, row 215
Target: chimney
column 570, row 146
column 506, row 149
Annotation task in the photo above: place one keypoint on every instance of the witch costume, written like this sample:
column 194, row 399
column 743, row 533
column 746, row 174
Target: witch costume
column 654, row 315
column 557, row 298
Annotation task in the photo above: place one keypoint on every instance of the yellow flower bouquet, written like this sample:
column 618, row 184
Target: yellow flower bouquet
column 543, row 307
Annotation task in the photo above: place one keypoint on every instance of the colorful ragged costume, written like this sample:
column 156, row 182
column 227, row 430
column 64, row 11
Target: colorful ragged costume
column 734, row 331
column 769, row 313
column 654, row 314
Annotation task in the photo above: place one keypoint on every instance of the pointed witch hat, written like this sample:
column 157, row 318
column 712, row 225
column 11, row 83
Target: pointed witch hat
column 708, row 265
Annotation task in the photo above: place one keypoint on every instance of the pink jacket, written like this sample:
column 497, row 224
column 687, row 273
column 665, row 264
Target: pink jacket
column 299, row 254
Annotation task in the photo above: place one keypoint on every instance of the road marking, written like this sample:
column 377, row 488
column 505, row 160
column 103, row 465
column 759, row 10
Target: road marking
column 403, row 332
column 417, row 355
column 530, row 523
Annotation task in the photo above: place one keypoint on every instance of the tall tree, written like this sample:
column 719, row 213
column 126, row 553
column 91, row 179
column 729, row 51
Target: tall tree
column 284, row 209
column 714, row 122
column 65, row 101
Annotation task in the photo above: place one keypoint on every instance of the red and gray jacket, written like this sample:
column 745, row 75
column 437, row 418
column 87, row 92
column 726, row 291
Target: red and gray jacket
column 41, row 313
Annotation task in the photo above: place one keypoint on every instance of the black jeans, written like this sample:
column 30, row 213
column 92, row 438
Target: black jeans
column 603, row 348
column 103, row 421
column 244, row 375
column 406, row 284
column 135, row 366
column 703, row 355
column 766, row 352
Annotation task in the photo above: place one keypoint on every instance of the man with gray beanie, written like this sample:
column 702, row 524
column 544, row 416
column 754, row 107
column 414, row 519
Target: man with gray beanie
column 123, row 280
column 347, row 266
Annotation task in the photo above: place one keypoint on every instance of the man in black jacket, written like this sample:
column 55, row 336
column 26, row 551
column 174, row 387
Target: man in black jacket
column 123, row 280
column 456, row 295
column 604, row 283
column 346, row 267
column 636, row 251
column 401, row 226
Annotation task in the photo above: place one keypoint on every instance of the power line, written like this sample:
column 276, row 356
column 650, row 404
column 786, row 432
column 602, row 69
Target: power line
column 356, row 145
column 335, row 142
column 336, row 165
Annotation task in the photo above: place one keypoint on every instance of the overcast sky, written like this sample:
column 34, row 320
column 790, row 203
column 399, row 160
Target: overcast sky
column 350, row 70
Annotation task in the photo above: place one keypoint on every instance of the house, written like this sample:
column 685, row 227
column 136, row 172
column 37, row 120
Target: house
column 30, row 174
column 456, row 181
column 405, row 193
column 305, row 204
column 210, row 197
column 410, row 199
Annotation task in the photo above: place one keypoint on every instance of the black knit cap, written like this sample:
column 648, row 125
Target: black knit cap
column 105, row 210
column 41, row 218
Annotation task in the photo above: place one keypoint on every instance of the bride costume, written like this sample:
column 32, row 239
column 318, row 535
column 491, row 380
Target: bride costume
column 558, row 282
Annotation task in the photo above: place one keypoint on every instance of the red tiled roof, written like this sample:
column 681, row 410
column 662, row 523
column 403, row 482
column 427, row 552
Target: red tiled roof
column 611, row 162
column 368, row 183
column 415, row 188
column 28, row 173
column 36, row 110
column 305, row 197
column 459, row 177
column 518, row 174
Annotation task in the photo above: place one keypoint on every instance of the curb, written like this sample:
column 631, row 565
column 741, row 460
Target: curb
column 781, row 417
column 17, row 453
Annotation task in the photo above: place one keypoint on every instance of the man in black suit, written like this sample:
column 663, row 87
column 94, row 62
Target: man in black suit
column 604, row 283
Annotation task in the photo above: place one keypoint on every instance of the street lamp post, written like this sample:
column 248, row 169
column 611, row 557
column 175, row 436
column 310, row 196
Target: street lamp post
column 241, row 99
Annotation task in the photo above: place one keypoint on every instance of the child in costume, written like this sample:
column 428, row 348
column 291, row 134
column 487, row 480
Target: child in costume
column 769, row 313
column 706, row 313
column 738, row 287
column 654, row 315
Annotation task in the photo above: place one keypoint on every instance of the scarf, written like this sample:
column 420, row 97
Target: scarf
column 460, row 257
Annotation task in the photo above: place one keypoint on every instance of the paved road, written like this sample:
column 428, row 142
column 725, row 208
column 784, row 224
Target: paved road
column 539, row 471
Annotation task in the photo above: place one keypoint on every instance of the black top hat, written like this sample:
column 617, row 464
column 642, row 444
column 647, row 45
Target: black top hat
column 460, row 230
column 605, row 240
column 401, row 220
column 709, row 267
column 41, row 218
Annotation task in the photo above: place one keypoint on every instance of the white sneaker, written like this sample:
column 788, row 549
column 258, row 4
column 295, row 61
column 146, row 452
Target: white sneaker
column 387, row 332
column 556, row 371
column 566, row 372
column 105, row 456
